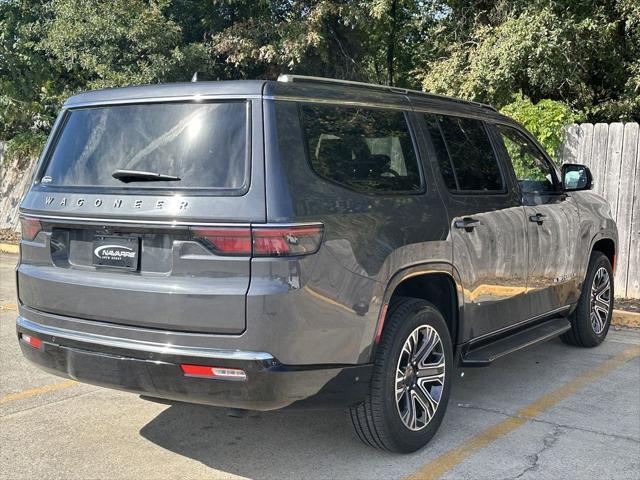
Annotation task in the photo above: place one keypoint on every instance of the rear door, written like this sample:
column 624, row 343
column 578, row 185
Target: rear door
column 142, row 213
column 552, row 224
column 486, row 225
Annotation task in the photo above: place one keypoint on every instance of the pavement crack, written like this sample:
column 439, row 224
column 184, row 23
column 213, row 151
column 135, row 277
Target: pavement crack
column 547, row 422
column 548, row 442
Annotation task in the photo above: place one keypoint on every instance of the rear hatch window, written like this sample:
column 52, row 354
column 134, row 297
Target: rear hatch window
column 187, row 145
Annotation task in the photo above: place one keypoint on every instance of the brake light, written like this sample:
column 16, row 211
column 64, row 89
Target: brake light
column 226, row 241
column 205, row 371
column 33, row 341
column 270, row 241
column 286, row 241
column 30, row 228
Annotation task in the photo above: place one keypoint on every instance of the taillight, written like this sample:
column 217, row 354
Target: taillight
column 30, row 228
column 271, row 241
column 225, row 241
column 286, row 241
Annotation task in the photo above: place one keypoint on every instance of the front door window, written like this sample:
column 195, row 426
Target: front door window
column 533, row 170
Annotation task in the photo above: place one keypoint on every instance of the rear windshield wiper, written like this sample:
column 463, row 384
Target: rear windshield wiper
column 127, row 176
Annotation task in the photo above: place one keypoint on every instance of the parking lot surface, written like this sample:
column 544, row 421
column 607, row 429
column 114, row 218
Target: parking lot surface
column 551, row 411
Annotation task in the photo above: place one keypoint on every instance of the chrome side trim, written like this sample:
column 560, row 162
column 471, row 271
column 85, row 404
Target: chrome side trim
column 520, row 324
column 129, row 344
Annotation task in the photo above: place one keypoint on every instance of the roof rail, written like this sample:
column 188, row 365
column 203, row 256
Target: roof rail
column 288, row 78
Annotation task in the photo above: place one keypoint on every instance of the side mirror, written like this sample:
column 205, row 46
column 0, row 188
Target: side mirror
column 576, row 177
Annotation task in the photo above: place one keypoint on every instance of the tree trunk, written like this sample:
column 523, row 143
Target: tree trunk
column 391, row 41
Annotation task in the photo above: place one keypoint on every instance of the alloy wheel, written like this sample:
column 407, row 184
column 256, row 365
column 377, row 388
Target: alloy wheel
column 420, row 377
column 600, row 300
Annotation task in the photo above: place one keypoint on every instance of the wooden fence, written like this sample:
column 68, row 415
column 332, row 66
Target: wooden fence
column 612, row 152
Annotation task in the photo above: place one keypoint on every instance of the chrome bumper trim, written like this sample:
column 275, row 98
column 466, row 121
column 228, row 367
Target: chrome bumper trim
column 129, row 344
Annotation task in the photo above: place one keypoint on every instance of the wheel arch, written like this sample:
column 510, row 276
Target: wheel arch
column 606, row 245
column 437, row 283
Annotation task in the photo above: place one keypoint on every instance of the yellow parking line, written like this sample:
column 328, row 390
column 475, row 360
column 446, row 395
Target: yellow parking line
column 9, row 306
column 625, row 319
column 454, row 457
column 37, row 391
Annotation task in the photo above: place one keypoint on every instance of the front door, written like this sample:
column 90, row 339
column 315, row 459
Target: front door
column 487, row 225
column 552, row 225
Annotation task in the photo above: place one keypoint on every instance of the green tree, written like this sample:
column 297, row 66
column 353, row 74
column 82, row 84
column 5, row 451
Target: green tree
column 545, row 119
column 120, row 42
column 584, row 54
column 27, row 89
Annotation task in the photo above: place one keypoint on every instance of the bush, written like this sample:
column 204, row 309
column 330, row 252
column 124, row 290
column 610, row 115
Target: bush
column 545, row 119
column 24, row 147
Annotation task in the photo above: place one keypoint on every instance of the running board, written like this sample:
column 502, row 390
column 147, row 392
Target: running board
column 484, row 355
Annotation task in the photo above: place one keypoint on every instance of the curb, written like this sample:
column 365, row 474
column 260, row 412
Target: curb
column 622, row 318
column 9, row 248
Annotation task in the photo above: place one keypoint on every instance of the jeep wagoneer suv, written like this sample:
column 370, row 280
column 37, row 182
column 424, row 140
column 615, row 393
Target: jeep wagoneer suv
column 303, row 242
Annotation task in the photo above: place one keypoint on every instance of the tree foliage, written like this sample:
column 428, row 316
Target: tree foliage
column 545, row 119
column 583, row 56
column 583, row 53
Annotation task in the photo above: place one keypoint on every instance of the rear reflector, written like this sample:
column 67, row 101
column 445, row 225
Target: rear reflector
column 381, row 319
column 33, row 341
column 272, row 241
column 30, row 228
column 205, row 371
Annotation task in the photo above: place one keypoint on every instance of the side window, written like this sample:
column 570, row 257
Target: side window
column 469, row 162
column 368, row 150
column 446, row 168
column 531, row 167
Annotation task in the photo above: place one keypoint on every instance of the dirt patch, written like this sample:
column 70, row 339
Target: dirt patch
column 627, row 304
column 8, row 235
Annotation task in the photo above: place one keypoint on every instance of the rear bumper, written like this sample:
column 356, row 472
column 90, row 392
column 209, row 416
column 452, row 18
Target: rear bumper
column 154, row 370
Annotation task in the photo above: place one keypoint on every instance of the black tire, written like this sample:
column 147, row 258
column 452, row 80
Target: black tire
column 377, row 420
column 583, row 333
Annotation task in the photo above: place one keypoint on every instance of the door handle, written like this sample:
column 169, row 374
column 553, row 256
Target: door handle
column 467, row 223
column 537, row 218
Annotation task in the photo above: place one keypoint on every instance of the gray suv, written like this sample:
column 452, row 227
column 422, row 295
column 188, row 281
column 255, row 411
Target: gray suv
column 303, row 243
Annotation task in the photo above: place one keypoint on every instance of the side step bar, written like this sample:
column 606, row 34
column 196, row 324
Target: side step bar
column 485, row 354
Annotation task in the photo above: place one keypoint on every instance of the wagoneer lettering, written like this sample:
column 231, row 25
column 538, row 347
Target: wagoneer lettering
column 174, row 204
column 303, row 242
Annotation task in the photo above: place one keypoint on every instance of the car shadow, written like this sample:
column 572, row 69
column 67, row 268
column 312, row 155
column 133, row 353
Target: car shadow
column 266, row 445
column 321, row 444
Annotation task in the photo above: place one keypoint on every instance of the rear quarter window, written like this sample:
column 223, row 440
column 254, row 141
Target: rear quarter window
column 205, row 145
column 367, row 150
